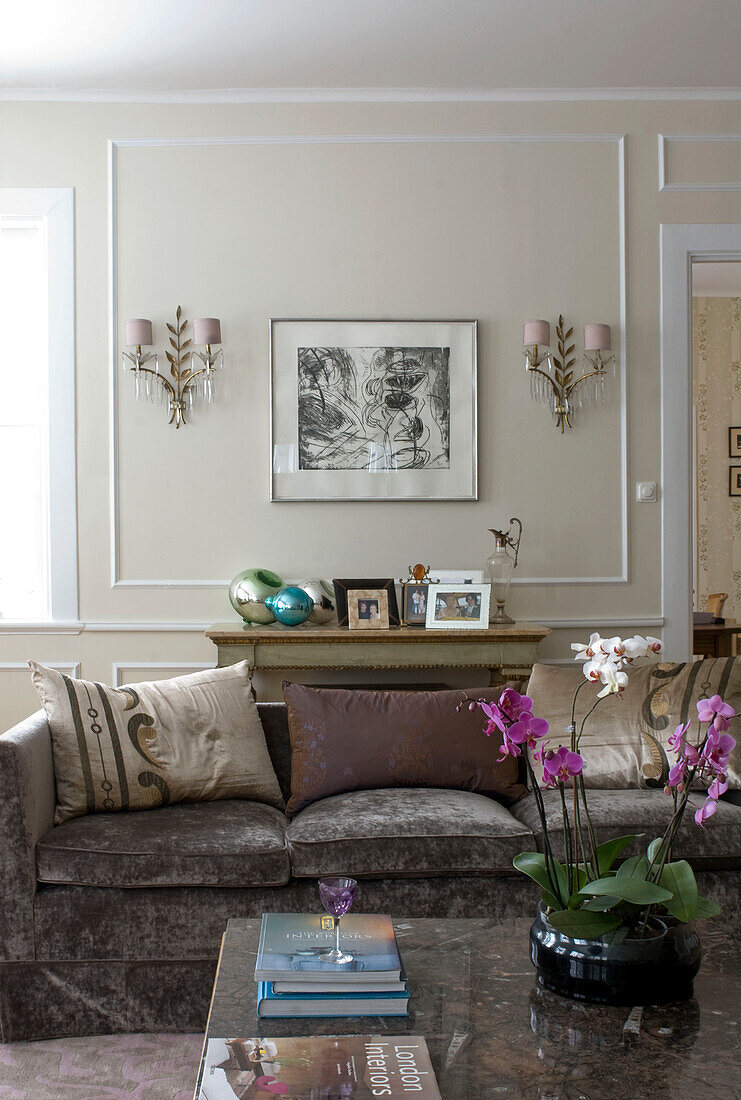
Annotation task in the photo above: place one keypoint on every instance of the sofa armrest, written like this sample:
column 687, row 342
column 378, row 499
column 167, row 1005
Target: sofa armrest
column 27, row 802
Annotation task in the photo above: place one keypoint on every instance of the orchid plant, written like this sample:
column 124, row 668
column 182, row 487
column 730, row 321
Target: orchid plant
column 584, row 895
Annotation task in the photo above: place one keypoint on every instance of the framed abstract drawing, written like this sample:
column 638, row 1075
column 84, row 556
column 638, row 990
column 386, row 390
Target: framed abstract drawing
column 373, row 410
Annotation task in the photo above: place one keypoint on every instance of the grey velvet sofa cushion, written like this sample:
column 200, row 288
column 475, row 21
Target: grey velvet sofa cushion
column 405, row 832
column 717, row 846
column 233, row 842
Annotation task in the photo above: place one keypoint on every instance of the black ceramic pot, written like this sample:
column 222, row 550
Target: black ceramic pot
column 654, row 970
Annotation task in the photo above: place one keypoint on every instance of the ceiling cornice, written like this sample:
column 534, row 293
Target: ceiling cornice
column 368, row 95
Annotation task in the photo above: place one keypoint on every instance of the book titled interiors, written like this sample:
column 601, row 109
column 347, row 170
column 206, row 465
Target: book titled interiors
column 292, row 944
column 322, row 1067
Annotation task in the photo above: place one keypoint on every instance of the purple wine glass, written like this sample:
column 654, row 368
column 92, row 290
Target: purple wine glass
column 337, row 896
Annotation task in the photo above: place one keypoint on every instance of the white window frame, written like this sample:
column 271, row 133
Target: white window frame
column 56, row 206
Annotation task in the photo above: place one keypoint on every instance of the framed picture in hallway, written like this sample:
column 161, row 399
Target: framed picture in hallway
column 373, row 410
column 734, row 488
column 734, row 442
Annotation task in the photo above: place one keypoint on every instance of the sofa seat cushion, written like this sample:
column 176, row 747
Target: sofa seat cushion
column 405, row 832
column 233, row 842
column 714, row 847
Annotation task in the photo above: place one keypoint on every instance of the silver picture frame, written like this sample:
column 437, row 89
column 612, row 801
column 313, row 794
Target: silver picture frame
column 439, row 456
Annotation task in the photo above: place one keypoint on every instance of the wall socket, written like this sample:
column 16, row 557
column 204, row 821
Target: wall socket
column 646, row 492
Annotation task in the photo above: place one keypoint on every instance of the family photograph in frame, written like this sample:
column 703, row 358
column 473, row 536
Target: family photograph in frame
column 458, row 607
column 368, row 609
column 345, row 588
column 414, row 602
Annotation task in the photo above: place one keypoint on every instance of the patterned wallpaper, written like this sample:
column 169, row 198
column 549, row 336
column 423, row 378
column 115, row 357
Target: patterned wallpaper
column 716, row 382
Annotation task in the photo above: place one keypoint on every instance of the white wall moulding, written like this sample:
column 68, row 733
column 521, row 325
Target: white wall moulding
column 44, row 627
column 729, row 151
column 374, row 95
column 69, row 668
column 680, row 245
column 603, row 624
column 162, row 670
column 616, row 232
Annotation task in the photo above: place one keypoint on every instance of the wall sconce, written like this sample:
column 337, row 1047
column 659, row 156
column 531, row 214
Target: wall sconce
column 552, row 379
column 191, row 370
column 501, row 565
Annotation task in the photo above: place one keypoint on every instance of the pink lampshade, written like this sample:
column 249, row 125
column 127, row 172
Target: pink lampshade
column 536, row 332
column 207, row 330
column 596, row 337
column 138, row 331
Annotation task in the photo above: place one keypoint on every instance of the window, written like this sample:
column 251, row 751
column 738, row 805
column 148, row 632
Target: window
column 38, row 536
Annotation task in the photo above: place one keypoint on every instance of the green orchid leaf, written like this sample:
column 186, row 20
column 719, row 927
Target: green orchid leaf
column 583, row 925
column 635, row 890
column 680, row 879
column 550, row 901
column 653, row 849
column 534, row 865
column 706, row 909
column 608, row 852
column 633, row 867
column 600, row 905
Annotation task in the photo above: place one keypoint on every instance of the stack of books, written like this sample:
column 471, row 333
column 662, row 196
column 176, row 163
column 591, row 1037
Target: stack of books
column 295, row 980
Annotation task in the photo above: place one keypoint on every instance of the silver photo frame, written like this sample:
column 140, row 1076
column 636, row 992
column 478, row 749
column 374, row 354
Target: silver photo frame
column 373, row 410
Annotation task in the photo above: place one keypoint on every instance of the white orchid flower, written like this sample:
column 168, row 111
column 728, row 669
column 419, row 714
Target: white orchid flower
column 614, row 680
column 593, row 670
column 615, row 648
column 589, row 652
column 635, row 647
column 655, row 645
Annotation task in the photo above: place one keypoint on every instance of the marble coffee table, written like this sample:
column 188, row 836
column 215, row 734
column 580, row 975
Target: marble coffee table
column 492, row 1032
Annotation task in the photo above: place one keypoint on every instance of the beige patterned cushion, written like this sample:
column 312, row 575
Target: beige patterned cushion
column 190, row 739
column 625, row 741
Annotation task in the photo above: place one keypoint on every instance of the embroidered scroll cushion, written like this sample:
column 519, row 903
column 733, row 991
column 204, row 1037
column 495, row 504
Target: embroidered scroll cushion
column 190, row 739
column 626, row 740
column 350, row 740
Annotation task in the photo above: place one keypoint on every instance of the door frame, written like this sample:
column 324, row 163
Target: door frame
column 680, row 246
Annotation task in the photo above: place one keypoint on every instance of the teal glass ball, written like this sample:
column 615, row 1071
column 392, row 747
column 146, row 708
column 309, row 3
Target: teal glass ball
column 291, row 606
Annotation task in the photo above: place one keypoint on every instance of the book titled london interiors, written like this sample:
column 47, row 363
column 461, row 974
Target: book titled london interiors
column 322, row 1067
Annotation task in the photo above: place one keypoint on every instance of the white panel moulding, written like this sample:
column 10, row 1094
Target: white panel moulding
column 181, row 667
column 666, row 139
column 69, row 668
column 618, row 140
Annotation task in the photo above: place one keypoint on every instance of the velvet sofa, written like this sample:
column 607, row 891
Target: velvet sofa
column 112, row 922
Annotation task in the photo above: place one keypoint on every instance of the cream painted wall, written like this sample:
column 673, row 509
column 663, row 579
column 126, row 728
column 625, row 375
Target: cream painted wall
column 501, row 231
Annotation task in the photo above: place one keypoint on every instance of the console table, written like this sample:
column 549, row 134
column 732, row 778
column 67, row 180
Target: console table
column 507, row 652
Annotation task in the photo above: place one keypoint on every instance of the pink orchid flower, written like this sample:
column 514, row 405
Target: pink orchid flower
column 677, row 773
column 561, row 764
column 716, row 711
column 676, row 741
column 707, row 810
column 717, row 751
column 513, row 704
column 528, row 730
column 496, row 721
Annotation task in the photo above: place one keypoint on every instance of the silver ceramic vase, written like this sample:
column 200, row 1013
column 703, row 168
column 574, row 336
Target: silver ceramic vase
column 248, row 592
column 322, row 593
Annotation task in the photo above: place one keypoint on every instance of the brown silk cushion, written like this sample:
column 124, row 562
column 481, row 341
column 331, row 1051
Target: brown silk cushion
column 368, row 740
column 190, row 739
column 626, row 740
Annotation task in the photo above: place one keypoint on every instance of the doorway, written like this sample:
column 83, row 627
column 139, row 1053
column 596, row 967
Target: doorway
column 682, row 247
column 716, row 437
